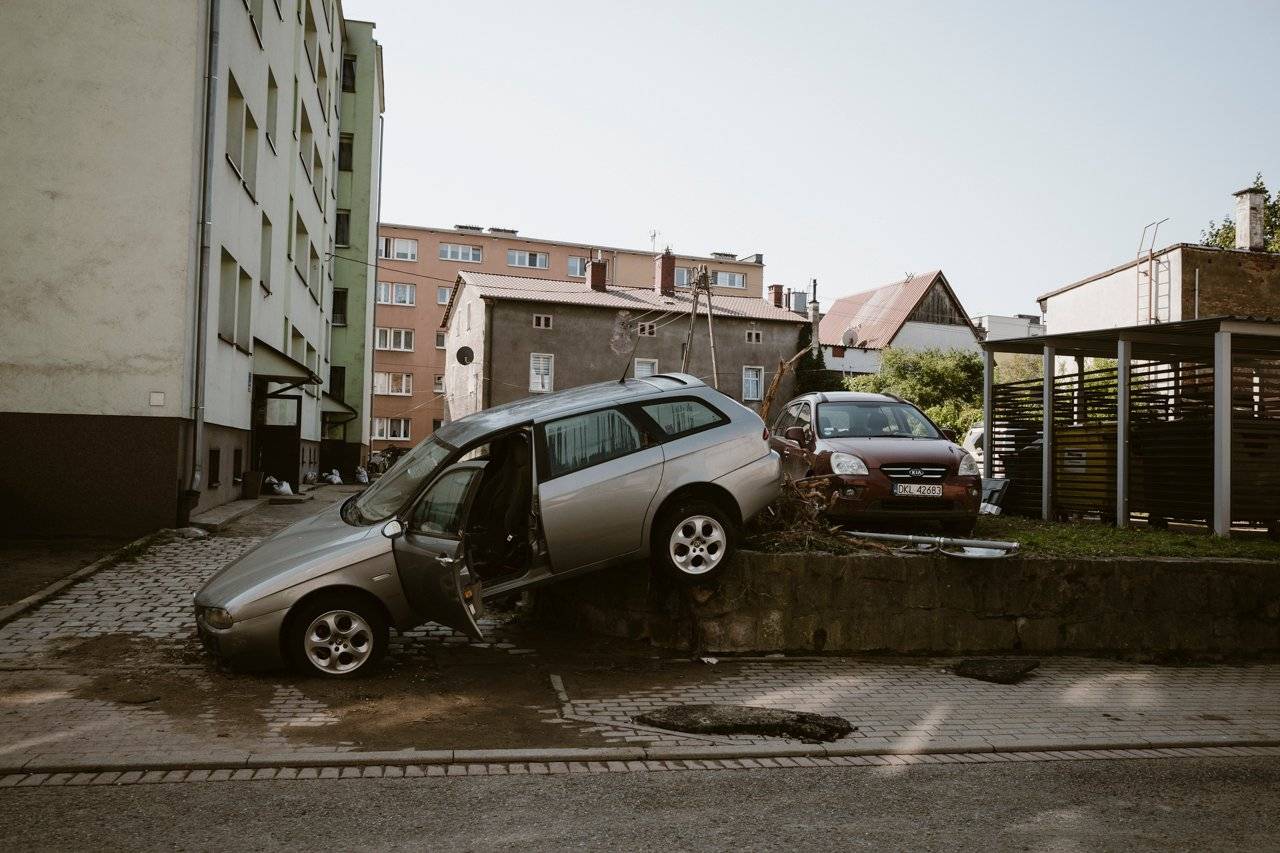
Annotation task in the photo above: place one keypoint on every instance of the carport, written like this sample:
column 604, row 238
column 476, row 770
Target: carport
column 1184, row 426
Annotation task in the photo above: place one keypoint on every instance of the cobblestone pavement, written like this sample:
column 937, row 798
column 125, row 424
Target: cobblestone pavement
column 70, row 689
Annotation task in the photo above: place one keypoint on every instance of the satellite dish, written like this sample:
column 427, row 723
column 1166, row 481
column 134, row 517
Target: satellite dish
column 465, row 355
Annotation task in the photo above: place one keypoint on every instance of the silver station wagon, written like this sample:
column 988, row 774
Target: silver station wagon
column 522, row 494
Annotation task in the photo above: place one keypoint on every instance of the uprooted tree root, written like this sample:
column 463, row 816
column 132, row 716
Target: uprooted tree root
column 797, row 522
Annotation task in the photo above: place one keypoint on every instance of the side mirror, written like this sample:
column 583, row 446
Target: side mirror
column 795, row 434
column 949, row 434
column 392, row 528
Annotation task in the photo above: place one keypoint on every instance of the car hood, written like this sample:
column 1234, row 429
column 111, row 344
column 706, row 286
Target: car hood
column 877, row 451
column 300, row 552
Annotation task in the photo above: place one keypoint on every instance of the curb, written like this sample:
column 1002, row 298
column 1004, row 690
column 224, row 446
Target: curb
column 13, row 611
column 216, row 526
column 448, row 757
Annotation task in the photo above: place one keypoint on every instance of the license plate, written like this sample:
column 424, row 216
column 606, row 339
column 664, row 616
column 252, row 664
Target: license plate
column 917, row 490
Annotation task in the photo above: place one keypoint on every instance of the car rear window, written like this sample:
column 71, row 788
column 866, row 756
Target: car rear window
column 584, row 440
column 681, row 417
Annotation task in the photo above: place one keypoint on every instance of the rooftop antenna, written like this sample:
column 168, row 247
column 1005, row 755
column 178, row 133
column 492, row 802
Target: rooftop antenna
column 1153, row 278
column 653, row 239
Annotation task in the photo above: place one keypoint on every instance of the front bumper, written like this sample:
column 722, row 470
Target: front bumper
column 249, row 644
column 870, row 497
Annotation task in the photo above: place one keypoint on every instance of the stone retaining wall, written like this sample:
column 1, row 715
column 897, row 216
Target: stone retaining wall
column 936, row 604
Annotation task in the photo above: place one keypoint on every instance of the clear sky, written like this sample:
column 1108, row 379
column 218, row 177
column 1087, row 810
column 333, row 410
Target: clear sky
column 1016, row 146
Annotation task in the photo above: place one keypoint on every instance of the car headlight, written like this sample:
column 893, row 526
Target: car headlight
column 847, row 463
column 968, row 467
column 216, row 617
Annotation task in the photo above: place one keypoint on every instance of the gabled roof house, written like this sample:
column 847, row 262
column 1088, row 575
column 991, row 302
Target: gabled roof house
column 920, row 312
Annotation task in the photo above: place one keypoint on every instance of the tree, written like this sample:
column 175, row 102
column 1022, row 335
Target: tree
column 947, row 384
column 1223, row 234
column 811, row 370
column 1017, row 366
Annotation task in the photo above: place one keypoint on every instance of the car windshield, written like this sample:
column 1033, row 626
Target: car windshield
column 873, row 419
column 402, row 480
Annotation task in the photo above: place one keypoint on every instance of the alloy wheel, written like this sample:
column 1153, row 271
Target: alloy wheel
column 697, row 545
column 338, row 642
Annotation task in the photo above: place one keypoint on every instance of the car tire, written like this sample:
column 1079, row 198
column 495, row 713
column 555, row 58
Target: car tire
column 336, row 635
column 692, row 541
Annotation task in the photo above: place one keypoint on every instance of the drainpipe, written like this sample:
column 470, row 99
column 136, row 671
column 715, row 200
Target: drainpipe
column 377, row 238
column 202, row 282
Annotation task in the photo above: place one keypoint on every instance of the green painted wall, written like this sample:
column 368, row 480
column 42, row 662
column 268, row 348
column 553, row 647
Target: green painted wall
column 354, row 270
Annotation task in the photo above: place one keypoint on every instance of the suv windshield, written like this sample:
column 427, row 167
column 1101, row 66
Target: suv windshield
column 873, row 419
column 392, row 489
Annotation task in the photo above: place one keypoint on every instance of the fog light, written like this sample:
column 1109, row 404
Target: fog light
column 216, row 617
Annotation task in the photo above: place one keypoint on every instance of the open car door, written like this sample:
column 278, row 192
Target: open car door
column 430, row 555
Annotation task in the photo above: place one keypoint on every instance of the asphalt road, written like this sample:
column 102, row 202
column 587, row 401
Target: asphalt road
column 1170, row 804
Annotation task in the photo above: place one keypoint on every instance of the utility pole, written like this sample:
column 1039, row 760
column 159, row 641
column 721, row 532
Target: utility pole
column 704, row 281
column 815, row 345
column 693, row 319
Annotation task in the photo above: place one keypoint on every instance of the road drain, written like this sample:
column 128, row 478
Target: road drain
column 746, row 720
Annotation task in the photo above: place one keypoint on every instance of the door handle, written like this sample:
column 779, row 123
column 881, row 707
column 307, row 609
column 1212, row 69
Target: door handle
column 445, row 560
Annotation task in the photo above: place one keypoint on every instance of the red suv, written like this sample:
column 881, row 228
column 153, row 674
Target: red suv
column 888, row 461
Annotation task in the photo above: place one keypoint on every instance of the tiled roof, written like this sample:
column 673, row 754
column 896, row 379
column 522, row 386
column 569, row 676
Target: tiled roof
column 522, row 289
column 875, row 316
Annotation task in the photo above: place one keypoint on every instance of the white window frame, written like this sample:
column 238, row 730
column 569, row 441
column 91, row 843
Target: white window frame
column 442, row 294
column 647, row 330
column 542, row 260
column 685, row 273
column 385, row 338
column 537, row 384
column 583, row 266
column 462, row 253
column 389, row 248
column 437, row 385
column 384, row 384
column 759, row 393
column 382, row 429
column 440, row 340
column 735, row 276
column 409, row 288
column 635, row 368
column 542, row 321
column 755, row 336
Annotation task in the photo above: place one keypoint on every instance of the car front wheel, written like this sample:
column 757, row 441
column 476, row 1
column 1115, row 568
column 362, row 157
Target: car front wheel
column 692, row 541
column 336, row 636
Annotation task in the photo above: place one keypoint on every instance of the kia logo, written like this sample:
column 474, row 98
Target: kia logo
column 916, row 472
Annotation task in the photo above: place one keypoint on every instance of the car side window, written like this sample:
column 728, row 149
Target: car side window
column 804, row 418
column 681, row 417
column 581, row 441
column 439, row 512
column 786, row 419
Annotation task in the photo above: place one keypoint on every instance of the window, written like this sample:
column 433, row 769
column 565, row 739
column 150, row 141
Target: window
column 393, row 384
column 457, row 252
column 400, row 340
column 436, row 423
column 438, row 385
column 244, row 307
column 684, row 276
column 342, row 228
column 348, row 73
column 397, row 248
column 242, row 136
column 235, row 301
column 273, row 108
column 404, row 294
column 339, row 312
column 577, row 266
column 255, row 16
column 863, row 420
column 265, row 254
column 534, row 260
column 581, row 441
column 345, row 143
column 316, row 269
column 391, row 429
column 439, row 340
column 442, row 295
column 542, row 321
column 681, row 417
column 215, row 467
column 542, row 372
column 338, row 382
column 752, row 383
column 439, row 512
column 306, row 143
column 647, row 330
column 646, row 367
column 720, row 278
column 237, row 464
column 754, row 336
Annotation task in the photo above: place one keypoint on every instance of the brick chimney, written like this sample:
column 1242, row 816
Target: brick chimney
column 664, row 273
column 1249, row 212
column 595, row 274
column 775, row 295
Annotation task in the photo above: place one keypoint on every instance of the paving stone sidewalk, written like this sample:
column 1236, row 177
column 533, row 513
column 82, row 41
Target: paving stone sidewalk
column 95, row 632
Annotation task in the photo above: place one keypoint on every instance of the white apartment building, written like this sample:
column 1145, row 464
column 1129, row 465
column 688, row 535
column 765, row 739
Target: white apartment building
column 170, row 203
